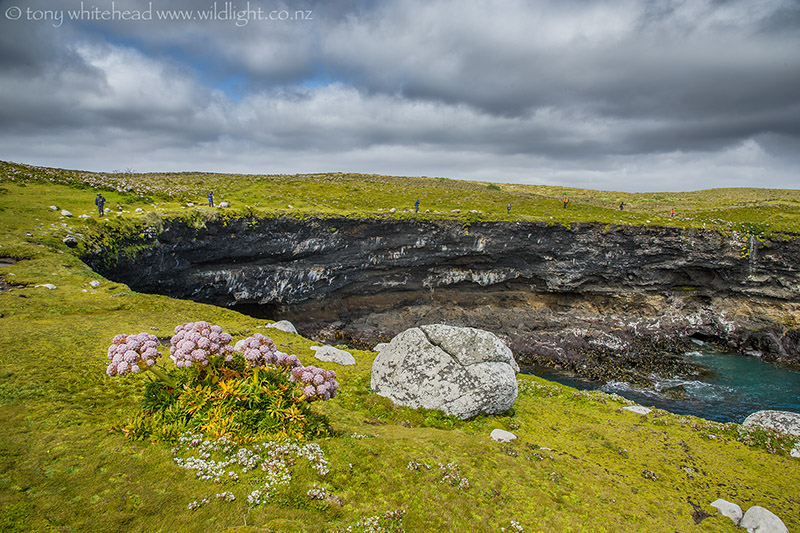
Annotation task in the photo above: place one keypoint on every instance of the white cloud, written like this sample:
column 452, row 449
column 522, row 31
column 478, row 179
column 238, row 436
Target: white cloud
column 633, row 95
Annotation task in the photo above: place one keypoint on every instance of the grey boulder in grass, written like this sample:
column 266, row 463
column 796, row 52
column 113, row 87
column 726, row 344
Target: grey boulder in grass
column 461, row 371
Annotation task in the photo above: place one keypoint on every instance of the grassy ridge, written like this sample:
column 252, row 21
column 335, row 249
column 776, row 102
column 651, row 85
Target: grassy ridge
column 580, row 463
column 752, row 211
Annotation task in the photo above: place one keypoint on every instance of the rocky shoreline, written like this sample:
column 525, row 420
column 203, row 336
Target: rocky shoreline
column 607, row 301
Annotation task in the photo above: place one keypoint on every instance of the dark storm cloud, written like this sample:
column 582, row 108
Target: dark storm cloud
column 548, row 91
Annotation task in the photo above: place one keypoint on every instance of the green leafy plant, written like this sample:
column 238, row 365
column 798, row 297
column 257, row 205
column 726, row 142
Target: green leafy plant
column 255, row 394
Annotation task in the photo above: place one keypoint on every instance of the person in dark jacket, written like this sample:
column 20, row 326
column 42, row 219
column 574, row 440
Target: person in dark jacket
column 210, row 199
column 100, row 202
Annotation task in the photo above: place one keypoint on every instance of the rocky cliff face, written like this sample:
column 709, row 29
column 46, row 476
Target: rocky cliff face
column 574, row 295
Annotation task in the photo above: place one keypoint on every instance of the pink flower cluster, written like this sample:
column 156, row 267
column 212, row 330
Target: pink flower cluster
column 318, row 384
column 259, row 350
column 129, row 353
column 196, row 342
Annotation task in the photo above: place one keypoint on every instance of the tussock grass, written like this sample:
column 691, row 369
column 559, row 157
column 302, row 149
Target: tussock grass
column 580, row 462
column 754, row 211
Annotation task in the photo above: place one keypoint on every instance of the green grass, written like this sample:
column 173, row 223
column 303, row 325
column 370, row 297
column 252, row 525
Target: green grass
column 752, row 211
column 579, row 463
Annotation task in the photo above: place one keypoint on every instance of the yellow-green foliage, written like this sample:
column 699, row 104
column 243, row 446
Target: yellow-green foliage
column 233, row 401
column 580, row 462
column 764, row 212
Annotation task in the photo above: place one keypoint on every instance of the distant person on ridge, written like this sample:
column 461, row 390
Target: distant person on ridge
column 621, row 206
column 210, row 199
column 508, row 208
column 672, row 214
column 566, row 201
column 416, row 206
column 100, row 202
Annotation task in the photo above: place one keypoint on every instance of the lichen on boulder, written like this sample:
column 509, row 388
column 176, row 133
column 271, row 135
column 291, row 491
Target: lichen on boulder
column 461, row 371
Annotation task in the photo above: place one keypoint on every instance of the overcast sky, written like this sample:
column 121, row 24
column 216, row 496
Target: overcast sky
column 618, row 95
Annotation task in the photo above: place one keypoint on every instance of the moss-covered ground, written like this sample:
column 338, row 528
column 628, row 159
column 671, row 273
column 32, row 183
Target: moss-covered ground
column 581, row 463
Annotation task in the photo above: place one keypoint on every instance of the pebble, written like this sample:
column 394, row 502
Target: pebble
column 731, row 510
column 501, row 435
column 640, row 409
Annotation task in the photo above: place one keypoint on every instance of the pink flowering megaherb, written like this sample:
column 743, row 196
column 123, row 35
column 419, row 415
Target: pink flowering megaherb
column 197, row 343
column 132, row 353
column 318, row 384
column 259, row 350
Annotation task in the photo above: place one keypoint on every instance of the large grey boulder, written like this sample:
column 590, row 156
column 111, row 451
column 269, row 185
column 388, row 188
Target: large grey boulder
column 461, row 371
column 781, row 421
column 760, row 520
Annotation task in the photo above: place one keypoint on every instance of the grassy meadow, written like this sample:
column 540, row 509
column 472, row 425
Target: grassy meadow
column 580, row 463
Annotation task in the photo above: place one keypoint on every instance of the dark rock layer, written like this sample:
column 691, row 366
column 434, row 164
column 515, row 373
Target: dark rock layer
column 567, row 296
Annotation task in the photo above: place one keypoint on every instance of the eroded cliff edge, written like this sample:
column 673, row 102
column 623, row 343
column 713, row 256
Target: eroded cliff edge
column 585, row 293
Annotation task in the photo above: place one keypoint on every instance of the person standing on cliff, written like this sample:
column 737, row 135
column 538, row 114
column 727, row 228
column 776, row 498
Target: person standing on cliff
column 672, row 214
column 566, row 201
column 621, row 206
column 100, row 202
column 508, row 208
column 210, row 198
column 416, row 206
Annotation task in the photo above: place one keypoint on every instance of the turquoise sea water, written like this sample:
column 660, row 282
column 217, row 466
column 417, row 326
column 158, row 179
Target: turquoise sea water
column 736, row 387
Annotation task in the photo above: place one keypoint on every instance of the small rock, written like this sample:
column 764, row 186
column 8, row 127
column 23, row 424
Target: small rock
column 94, row 283
column 107, row 210
column 70, row 241
column 781, row 421
column 239, row 346
column 393, row 210
column 189, row 204
column 501, row 435
column 380, row 346
column 795, row 452
column 84, row 216
column 329, row 354
column 640, row 409
column 28, row 234
column 283, row 325
column 731, row 510
column 139, row 210
column 760, row 520
column 456, row 211
column 65, row 213
column 53, row 208
column 224, row 204
column 290, row 206
column 84, row 290
column 46, row 286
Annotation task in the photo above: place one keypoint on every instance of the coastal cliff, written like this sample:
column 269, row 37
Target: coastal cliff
column 563, row 295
